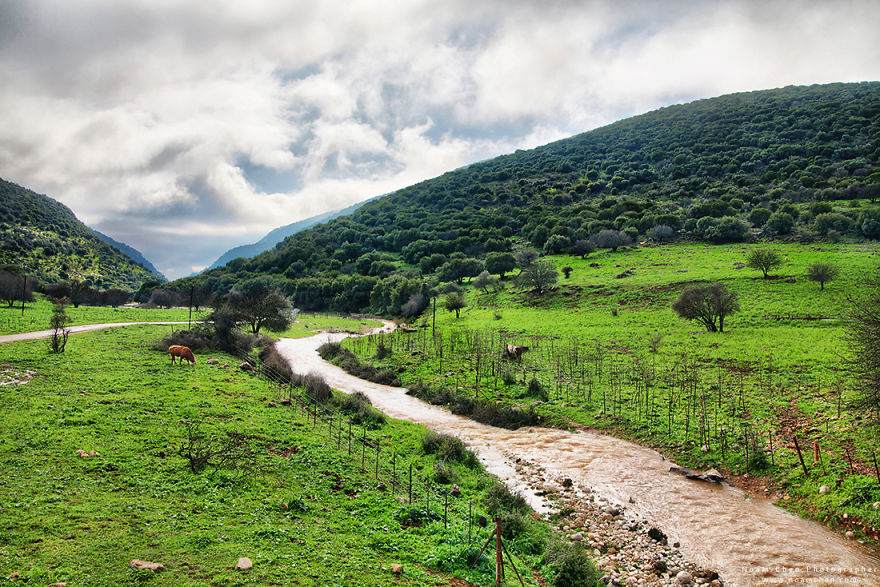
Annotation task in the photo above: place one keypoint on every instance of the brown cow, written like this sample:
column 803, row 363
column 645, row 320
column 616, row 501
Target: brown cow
column 182, row 352
column 514, row 352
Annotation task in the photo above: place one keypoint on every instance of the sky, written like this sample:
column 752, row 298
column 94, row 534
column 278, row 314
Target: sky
column 184, row 128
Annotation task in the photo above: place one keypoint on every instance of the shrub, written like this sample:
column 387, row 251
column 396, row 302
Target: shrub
column 500, row 499
column 360, row 410
column 316, row 388
column 443, row 474
column 448, row 448
column 571, row 563
column 537, row 390
column 507, row 376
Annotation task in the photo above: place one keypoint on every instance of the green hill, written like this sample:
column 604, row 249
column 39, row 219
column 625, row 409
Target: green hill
column 45, row 238
column 796, row 163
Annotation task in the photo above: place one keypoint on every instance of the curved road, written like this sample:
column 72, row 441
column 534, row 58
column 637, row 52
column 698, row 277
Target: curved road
column 73, row 330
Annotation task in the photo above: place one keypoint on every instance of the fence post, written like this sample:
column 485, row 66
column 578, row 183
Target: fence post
column 349, row 439
column 445, row 510
column 499, row 562
column 377, row 459
column 410, row 484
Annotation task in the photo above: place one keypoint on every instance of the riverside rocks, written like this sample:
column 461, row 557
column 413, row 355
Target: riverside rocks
column 619, row 543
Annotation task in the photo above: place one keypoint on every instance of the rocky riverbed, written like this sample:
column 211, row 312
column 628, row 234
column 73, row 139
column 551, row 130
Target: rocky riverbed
column 626, row 550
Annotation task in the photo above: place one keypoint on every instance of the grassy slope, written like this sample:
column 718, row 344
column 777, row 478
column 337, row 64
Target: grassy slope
column 788, row 342
column 64, row 518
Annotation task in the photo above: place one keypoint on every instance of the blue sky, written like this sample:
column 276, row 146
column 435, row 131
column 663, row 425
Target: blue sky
column 207, row 124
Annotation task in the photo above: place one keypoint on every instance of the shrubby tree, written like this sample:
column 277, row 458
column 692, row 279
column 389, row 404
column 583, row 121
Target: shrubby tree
column 525, row 257
column 567, row 271
column 581, row 248
column 822, row 272
column 612, row 239
column 764, row 259
column 258, row 303
column 483, row 281
column 539, row 275
column 457, row 269
column 780, row 223
column 454, row 302
column 759, row 216
column 661, row 233
column 58, row 323
column 115, row 297
column 708, row 305
column 164, row 298
column 556, row 244
column 500, row 263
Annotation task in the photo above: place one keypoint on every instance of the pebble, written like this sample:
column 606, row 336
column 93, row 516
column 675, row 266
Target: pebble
column 243, row 564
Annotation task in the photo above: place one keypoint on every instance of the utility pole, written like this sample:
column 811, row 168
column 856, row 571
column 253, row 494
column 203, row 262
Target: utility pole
column 192, row 289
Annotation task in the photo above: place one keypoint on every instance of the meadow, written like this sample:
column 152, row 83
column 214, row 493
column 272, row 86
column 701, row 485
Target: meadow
column 608, row 352
column 292, row 500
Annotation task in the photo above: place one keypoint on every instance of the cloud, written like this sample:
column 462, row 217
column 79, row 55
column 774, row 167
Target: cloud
column 210, row 123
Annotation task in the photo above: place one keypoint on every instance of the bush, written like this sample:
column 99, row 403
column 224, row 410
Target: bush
column 571, row 563
column 443, row 474
column 360, row 410
column 500, row 499
column 448, row 448
column 507, row 376
column 316, row 388
column 537, row 390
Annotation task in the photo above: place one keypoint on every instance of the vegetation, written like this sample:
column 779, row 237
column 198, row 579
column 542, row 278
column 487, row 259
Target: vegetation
column 863, row 329
column 797, row 163
column 194, row 468
column 822, row 272
column 44, row 239
column 708, row 305
column 734, row 401
column 765, row 260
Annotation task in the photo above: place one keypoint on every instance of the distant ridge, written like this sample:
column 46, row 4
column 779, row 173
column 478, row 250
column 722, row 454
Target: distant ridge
column 279, row 234
column 132, row 252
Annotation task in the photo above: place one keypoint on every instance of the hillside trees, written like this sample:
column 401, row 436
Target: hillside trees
column 259, row 304
column 13, row 287
column 500, row 263
column 454, row 302
column 708, row 305
column 538, row 275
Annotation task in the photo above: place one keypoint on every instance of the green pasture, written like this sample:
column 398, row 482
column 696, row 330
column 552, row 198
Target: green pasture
column 733, row 400
column 308, row 323
column 36, row 315
column 82, row 520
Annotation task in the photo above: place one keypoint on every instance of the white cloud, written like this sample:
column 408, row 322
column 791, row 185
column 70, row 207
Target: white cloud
column 159, row 119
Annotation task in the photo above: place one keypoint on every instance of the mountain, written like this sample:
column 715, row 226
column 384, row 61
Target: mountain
column 796, row 162
column 279, row 234
column 45, row 238
column 132, row 252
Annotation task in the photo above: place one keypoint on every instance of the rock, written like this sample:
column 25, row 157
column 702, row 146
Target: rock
column 284, row 401
column 850, row 534
column 272, row 404
column 705, row 448
column 13, row 577
column 213, row 361
column 246, row 366
column 139, row 564
column 381, row 487
column 660, row 566
column 656, row 534
column 482, row 522
column 823, row 489
column 567, row 482
column 455, row 491
column 577, row 537
column 876, row 505
column 684, row 578
column 397, row 569
column 243, row 564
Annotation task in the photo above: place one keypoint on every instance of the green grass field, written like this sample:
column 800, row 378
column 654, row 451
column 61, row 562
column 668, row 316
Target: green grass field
column 82, row 520
column 609, row 353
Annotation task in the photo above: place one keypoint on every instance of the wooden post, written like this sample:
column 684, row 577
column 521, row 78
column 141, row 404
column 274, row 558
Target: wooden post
column 377, row 460
column 499, row 561
column 23, row 293
column 410, row 484
column 800, row 456
column 876, row 469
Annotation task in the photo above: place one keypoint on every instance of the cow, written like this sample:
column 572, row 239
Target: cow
column 182, row 353
column 514, row 352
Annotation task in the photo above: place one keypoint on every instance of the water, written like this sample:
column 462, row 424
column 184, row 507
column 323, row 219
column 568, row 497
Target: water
column 748, row 541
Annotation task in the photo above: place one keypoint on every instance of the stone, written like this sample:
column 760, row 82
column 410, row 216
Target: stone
column 850, row 534
column 243, row 564
column 455, row 491
column 684, row 578
column 577, row 537
column 213, row 361
column 823, row 489
column 876, row 505
column 146, row 565
column 660, row 566
column 567, row 482
column 246, row 366
column 397, row 569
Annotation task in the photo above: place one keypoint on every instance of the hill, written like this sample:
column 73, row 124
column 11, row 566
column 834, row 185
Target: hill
column 797, row 162
column 132, row 252
column 278, row 235
column 46, row 238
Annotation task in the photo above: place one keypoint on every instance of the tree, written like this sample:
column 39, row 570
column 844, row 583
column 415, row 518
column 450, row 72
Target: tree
column 708, row 305
column 259, row 304
column 567, row 271
column 525, row 257
column 115, row 297
column 457, row 269
column 581, row 248
column 500, row 263
column 454, row 302
column 164, row 298
column 539, row 275
column 780, row 223
column 863, row 336
column 60, row 332
column 612, row 239
column 763, row 259
column 822, row 272
column 483, row 281
column 13, row 288
column 557, row 243
column 661, row 233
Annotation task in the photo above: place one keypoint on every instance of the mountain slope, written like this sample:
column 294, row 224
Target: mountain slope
column 279, row 234
column 45, row 238
column 132, row 252
column 792, row 162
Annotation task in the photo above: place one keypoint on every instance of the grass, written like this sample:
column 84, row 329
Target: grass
column 311, row 516
column 37, row 314
column 712, row 399
column 309, row 323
